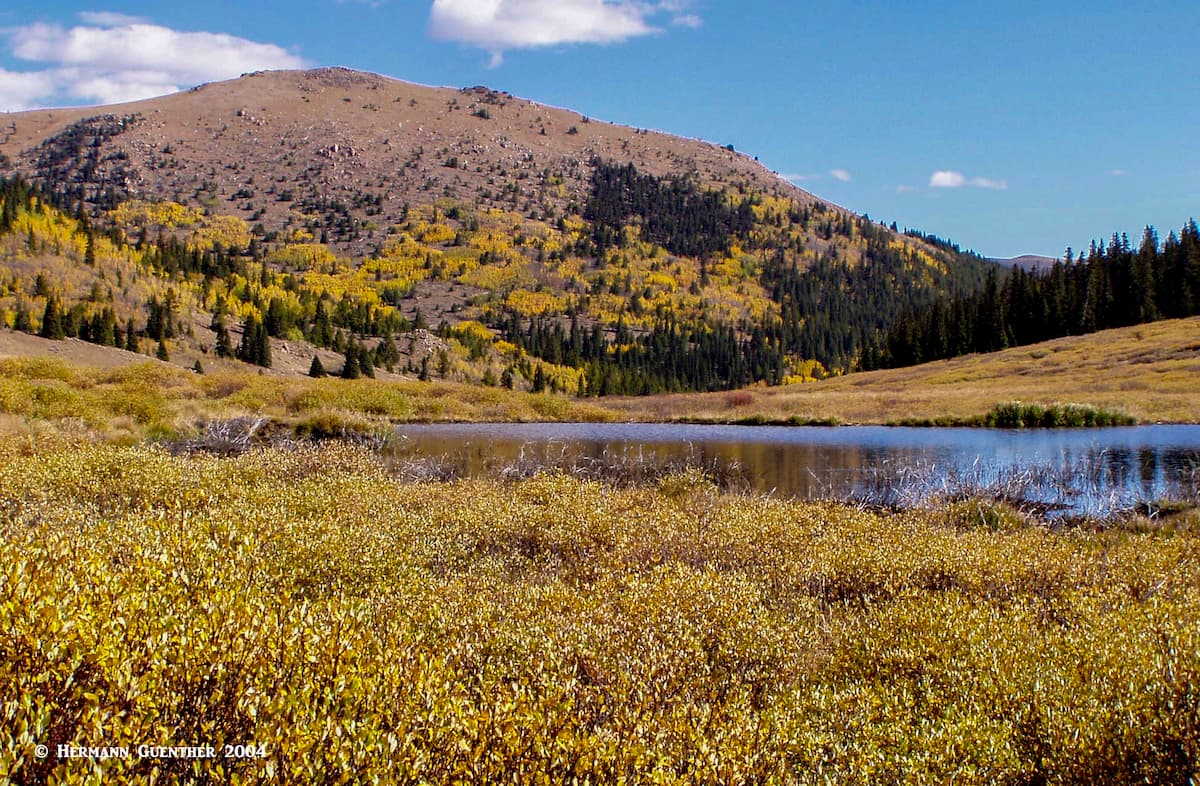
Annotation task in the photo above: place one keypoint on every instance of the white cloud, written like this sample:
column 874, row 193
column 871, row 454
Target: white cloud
column 1118, row 172
column 113, row 58
column 108, row 18
column 500, row 25
column 21, row 90
column 951, row 179
column 948, row 180
column 840, row 174
column 905, row 189
column 987, row 182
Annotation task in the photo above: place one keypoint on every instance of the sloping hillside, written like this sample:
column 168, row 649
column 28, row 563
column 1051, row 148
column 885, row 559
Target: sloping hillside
column 460, row 233
column 272, row 145
column 1147, row 371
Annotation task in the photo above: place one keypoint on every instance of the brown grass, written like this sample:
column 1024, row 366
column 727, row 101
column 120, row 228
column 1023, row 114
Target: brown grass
column 1151, row 372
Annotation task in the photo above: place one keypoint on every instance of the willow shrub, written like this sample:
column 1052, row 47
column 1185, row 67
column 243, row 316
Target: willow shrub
column 552, row 630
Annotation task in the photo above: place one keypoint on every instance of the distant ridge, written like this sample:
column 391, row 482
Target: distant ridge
column 1026, row 262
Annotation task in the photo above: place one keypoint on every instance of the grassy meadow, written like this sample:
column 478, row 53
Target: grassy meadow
column 1149, row 372
column 553, row 630
column 163, row 402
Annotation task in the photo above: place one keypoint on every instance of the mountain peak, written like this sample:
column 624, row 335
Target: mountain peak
column 260, row 146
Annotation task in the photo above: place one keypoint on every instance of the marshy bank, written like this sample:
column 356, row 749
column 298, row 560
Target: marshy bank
column 1093, row 473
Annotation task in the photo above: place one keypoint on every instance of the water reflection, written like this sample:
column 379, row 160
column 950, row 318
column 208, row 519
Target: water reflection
column 1077, row 471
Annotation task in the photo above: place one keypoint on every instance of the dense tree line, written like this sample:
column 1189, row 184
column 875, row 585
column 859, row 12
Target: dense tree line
column 1109, row 286
column 830, row 310
column 673, row 212
column 670, row 356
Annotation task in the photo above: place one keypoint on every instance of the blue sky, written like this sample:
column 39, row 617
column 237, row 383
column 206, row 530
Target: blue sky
column 1018, row 127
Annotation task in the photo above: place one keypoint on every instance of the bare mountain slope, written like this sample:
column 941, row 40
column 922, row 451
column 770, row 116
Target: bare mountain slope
column 270, row 145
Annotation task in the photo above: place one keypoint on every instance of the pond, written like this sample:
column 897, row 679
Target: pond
column 1077, row 471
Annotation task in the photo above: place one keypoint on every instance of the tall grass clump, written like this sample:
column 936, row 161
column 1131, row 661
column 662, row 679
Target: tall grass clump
column 1015, row 414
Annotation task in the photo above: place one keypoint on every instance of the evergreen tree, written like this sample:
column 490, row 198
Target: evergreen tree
column 22, row 322
column 256, row 344
column 224, row 346
column 322, row 331
column 161, row 353
column 386, row 353
column 351, row 369
column 276, row 321
column 316, row 370
column 262, row 348
column 1108, row 286
column 364, row 362
column 52, row 321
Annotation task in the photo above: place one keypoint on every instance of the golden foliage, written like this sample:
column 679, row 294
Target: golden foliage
column 168, row 215
column 555, row 631
column 532, row 304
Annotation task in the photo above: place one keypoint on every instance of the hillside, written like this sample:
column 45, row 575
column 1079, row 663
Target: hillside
column 1147, row 371
column 464, row 234
column 272, row 146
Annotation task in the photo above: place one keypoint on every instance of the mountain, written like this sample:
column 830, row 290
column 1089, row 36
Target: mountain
column 263, row 145
column 353, row 213
column 1026, row 262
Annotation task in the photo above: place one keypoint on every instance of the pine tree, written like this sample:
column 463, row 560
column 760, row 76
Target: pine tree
column 364, row 362
column 52, row 321
column 262, row 348
column 387, row 354
column 256, row 344
column 131, row 340
column 161, row 353
column 224, row 343
column 276, row 319
column 322, row 332
column 316, row 370
column 351, row 368
column 22, row 321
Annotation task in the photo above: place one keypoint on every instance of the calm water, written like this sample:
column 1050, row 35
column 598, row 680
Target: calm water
column 1078, row 470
